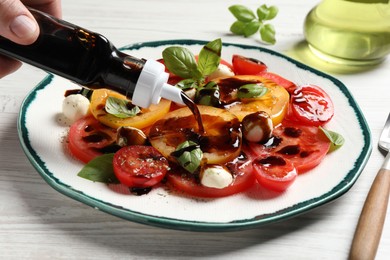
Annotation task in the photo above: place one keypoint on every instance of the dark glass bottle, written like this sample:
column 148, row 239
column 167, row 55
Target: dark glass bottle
column 89, row 59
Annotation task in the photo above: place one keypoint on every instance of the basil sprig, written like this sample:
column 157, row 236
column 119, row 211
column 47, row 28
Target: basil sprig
column 181, row 62
column 189, row 155
column 336, row 139
column 99, row 169
column 248, row 24
column 121, row 108
column 252, row 91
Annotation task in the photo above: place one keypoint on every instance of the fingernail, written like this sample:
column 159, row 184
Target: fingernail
column 23, row 26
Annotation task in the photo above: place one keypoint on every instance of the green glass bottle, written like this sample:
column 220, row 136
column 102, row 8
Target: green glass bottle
column 355, row 32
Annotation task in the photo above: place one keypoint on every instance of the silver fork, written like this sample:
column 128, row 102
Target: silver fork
column 369, row 228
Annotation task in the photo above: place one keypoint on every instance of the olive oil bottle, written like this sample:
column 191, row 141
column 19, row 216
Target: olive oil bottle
column 349, row 32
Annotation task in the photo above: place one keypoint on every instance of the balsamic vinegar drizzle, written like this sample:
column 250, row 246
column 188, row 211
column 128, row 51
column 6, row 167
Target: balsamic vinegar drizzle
column 194, row 109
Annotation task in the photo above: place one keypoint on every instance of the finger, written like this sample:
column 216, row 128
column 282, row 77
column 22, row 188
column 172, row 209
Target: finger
column 8, row 66
column 17, row 23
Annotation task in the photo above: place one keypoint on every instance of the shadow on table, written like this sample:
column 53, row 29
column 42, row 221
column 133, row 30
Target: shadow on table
column 301, row 52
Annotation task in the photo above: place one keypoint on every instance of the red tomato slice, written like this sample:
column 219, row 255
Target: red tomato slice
column 274, row 172
column 304, row 146
column 287, row 84
column 241, row 170
column 247, row 66
column 88, row 138
column 139, row 166
column 311, row 105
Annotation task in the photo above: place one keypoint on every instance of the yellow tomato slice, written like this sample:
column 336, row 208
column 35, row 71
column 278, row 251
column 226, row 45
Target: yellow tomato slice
column 220, row 143
column 274, row 102
column 146, row 118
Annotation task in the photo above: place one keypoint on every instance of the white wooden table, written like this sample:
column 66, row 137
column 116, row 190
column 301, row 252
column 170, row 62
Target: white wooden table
column 36, row 222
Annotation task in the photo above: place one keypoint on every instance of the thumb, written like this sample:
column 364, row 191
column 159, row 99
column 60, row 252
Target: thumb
column 16, row 22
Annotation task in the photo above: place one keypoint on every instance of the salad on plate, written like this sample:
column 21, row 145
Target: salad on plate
column 254, row 127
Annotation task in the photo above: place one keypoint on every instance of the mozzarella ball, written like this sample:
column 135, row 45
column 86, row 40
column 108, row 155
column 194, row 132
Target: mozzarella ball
column 221, row 71
column 257, row 127
column 215, row 176
column 75, row 107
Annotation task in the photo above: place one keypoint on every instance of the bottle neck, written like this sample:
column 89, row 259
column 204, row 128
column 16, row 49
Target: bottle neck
column 122, row 73
column 152, row 86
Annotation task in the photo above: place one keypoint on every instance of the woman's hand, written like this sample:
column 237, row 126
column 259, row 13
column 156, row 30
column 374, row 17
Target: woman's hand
column 18, row 25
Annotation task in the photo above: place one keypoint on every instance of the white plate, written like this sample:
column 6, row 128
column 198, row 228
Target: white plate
column 42, row 137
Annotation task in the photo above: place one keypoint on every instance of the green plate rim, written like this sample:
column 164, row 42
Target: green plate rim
column 302, row 207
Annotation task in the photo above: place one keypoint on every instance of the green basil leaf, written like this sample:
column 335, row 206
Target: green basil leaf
column 267, row 33
column 273, row 12
column 251, row 28
column 208, row 97
column 262, row 12
column 181, row 62
column 209, row 57
column 121, row 108
column 188, row 155
column 242, row 13
column 238, row 27
column 267, row 13
column 336, row 139
column 211, row 85
column 252, row 91
column 187, row 84
column 99, row 170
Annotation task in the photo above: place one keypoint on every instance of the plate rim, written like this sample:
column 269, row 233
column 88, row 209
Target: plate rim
column 189, row 225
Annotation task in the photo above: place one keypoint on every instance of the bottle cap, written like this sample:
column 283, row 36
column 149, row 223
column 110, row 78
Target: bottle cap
column 152, row 86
